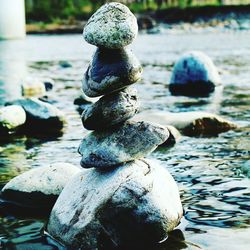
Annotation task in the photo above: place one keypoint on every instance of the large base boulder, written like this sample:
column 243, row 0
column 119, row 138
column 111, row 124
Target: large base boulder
column 189, row 123
column 136, row 203
column 39, row 187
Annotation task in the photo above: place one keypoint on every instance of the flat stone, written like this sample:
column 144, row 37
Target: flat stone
column 111, row 110
column 11, row 118
column 41, row 116
column 111, row 26
column 194, row 74
column 137, row 203
column 189, row 123
column 132, row 140
column 111, row 70
column 39, row 187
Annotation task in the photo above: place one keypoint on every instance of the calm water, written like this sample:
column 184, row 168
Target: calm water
column 214, row 190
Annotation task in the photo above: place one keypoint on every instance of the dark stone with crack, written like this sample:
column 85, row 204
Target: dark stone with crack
column 111, row 70
column 111, row 110
column 136, row 203
column 132, row 140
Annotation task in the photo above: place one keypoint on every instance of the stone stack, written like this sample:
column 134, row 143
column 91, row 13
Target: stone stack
column 120, row 197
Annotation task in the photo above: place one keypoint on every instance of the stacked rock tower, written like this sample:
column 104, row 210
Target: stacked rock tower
column 122, row 198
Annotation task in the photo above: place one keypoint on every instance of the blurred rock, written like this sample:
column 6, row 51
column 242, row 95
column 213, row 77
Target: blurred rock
column 33, row 87
column 132, row 140
column 11, row 118
column 189, row 123
column 137, row 203
column 112, row 26
column 194, row 74
column 111, row 110
column 145, row 22
column 39, row 187
column 49, row 84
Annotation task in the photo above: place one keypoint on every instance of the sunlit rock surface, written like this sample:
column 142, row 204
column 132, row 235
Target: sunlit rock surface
column 32, row 87
column 137, row 202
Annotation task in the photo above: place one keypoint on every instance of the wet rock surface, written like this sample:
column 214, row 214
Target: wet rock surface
column 41, row 115
column 112, row 26
column 125, row 143
column 111, row 110
column 194, row 74
column 101, row 203
column 39, row 187
column 110, row 70
column 11, row 118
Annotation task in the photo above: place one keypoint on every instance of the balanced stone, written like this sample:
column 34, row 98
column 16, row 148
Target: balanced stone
column 112, row 26
column 194, row 74
column 132, row 140
column 111, row 70
column 136, row 203
column 11, row 118
column 41, row 116
column 39, row 187
column 111, row 110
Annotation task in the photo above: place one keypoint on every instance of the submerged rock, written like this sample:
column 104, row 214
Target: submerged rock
column 39, row 187
column 111, row 26
column 189, row 123
column 11, row 118
column 111, row 70
column 41, row 116
column 111, row 110
column 194, row 74
column 136, row 203
column 132, row 140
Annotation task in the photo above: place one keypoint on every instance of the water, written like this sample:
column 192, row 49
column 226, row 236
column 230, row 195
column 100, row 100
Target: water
column 214, row 190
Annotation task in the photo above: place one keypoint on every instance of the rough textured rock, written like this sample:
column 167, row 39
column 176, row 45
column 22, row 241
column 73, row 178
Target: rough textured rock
column 32, row 87
column 135, row 203
column 111, row 110
column 111, row 70
column 11, row 118
column 189, row 123
column 194, row 74
column 132, row 140
column 111, row 26
column 41, row 116
column 39, row 187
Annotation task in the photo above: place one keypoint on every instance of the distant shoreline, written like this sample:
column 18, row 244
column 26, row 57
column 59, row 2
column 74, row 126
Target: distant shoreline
column 205, row 15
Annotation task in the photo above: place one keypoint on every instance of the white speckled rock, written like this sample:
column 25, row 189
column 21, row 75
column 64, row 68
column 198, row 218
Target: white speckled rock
column 109, row 71
column 112, row 26
column 136, row 203
column 132, row 140
column 11, row 118
column 194, row 74
column 189, row 123
column 39, row 187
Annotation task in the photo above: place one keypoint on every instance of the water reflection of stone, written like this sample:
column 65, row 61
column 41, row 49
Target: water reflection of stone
column 12, row 69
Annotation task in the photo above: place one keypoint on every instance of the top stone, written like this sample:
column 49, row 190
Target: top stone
column 112, row 26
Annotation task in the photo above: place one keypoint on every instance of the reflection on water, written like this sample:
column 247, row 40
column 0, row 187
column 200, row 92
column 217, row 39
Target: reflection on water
column 214, row 190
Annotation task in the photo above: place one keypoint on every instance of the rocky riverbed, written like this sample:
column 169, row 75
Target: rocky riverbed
column 211, row 172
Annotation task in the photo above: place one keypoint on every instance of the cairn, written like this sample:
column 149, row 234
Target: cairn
column 121, row 199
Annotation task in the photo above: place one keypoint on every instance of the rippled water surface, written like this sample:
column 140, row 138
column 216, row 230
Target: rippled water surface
column 214, row 190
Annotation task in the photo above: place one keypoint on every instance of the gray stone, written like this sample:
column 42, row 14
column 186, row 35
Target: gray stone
column 194, row 74
column 111, row 26
column 132, row 140
column 41, row 116
column 109, row 71
column 39, row 187
column 138, row 202
column 111, row 110
column 11, row 118
column 189, row 123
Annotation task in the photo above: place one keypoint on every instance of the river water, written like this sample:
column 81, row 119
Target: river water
column 214, row 189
